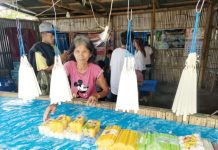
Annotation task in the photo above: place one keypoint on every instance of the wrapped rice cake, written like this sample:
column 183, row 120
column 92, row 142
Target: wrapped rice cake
column 76, row 125
column 191, row 142
column 91, row 128
column 127, row 139
column 108, row 136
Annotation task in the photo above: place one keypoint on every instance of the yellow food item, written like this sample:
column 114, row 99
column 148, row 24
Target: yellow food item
column 91, row 128
column 77, row 124
column 127, row 139
column 132, row 141
column 121, row 140
column 56, row 126
column 64, row 120
column 108, row 136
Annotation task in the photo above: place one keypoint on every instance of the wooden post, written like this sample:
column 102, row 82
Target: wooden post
column 153, row 23
column 206, row 44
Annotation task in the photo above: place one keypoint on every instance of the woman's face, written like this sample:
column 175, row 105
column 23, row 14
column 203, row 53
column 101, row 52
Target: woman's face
column 82, row 54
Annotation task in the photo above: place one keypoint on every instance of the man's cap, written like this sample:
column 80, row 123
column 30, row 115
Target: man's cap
column 46, row 27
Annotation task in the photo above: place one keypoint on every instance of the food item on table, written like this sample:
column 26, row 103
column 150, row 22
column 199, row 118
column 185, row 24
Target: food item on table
column 158, row 141
column 91, row 128
column 108, row 136
column 57, row 126
column 77, row 124
column 127, row 139
column 191, row 142
column 64, row 120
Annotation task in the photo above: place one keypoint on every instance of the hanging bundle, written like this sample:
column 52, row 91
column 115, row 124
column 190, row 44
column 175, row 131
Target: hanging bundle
column 104, row 36
column 185, row 101
column 59, row 89
column 127, row 98
column 28, row 87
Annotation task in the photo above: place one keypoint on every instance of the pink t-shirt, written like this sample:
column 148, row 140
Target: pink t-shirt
column 84, row 84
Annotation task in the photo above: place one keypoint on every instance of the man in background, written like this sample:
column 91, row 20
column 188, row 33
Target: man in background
column 116, row 64
column 41, row 56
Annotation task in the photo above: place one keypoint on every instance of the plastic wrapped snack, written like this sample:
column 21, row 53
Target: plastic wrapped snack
column 57, row 128
column 168, row 142
column 127, row 139
column 76, row 125
column 108, row 136
column 191, row 142
column 91, row 128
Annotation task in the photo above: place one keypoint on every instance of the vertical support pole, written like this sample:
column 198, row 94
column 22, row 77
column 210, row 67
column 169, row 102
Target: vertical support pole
column 206, row 44
column 153, row 23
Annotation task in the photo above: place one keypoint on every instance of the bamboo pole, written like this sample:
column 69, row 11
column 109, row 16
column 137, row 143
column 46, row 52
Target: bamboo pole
column 206, row 44
column 153, row 24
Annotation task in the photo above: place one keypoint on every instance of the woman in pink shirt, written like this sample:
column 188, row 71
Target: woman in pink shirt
column 84, row 75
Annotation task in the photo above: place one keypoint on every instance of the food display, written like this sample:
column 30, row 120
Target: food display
column 115, row 138
column 108, row 136
column 77, row 124
column 191, row 142
column 91, row 128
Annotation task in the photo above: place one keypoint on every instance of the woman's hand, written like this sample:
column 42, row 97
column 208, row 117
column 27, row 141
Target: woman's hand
column 74, row 95
column 92, row 100
column 49, row 109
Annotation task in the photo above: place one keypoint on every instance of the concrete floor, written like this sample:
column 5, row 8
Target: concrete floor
column 206, row 102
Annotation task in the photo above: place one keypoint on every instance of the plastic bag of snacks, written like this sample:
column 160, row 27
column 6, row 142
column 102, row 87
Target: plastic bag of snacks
column 127, row 139
column 59, row 128
column 91, row 128
column 108, row 137
column 191, row 142
column 77, row 124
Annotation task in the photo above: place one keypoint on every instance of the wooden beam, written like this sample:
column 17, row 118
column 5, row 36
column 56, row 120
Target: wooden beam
column 38, row 7
column 93, row 3
column 157, row 3
column 206, row 44
column 106, row 1
column 68, row 8
column 131, row 7
column 185, row 3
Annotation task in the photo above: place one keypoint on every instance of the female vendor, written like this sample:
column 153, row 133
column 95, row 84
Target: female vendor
column 84, row 75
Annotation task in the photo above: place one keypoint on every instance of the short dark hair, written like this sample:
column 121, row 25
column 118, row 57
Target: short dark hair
column 109, row 51
column 124, row 37
column 82, row 40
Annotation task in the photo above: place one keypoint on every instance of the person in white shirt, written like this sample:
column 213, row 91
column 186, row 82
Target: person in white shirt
column 148, row 53
column 116, row 65
column 139, row 60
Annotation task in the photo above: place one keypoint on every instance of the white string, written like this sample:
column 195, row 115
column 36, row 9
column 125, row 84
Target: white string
column 128, row 11
column 95, row 17
column 110, row 11
column 198, row 11
column 53, row 5
column 48, row 8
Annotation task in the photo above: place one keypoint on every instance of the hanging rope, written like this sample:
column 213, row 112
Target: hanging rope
column 127, row 102
column 185, row 101
column 56, row 48
column 20, row 38
column 194, row 34
column 198, row 12
column 129, row 44
column 59, row 89
column 48, row 8
column 109, row 17
column 28, row 87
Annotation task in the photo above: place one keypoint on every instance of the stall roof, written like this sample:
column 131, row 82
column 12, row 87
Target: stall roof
column 101, row 7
